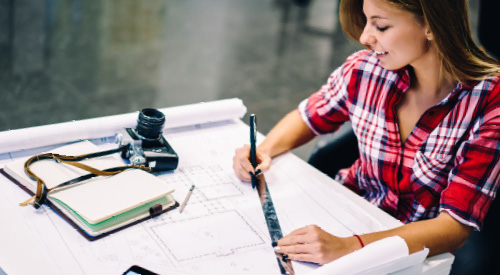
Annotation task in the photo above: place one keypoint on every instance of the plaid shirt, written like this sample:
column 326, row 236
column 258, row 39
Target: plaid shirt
column 449, row 162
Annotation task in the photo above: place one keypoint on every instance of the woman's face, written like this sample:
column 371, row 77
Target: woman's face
column 394, row 35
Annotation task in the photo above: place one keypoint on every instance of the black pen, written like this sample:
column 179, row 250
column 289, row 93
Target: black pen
column 253, row 149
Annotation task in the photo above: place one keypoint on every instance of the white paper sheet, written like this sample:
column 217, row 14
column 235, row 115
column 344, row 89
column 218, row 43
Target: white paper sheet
column 17, row 240
column 412, row 264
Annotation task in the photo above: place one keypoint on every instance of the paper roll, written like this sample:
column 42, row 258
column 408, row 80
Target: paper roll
column 199, row 113
column 369, row 258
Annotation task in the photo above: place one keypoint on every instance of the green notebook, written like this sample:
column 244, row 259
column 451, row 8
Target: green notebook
column 101, row 204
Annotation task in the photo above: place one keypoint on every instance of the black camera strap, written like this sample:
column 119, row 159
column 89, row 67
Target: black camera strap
column 42, row 191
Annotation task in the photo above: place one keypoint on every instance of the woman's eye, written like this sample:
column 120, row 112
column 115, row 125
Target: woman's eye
column 381, row 29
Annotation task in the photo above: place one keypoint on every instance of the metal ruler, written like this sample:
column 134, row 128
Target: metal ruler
column 273, row 224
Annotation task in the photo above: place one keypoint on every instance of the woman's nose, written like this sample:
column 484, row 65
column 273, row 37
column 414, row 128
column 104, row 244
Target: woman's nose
column 367, row 38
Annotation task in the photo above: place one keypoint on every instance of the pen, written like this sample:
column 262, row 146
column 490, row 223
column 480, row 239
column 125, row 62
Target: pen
column 187, row 198
column 253, row 149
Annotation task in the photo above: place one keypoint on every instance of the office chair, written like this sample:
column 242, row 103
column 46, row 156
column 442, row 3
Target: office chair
column 336, row 151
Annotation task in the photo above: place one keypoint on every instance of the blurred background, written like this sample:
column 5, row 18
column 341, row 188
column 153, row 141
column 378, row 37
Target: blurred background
column 63, row 60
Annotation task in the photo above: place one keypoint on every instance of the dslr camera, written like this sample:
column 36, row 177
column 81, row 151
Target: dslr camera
column 146, row 144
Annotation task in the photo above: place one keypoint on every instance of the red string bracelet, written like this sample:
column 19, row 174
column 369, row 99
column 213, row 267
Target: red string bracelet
column 360, row 241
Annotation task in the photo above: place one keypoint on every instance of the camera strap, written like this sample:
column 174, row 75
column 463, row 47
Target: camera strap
column 42, row 190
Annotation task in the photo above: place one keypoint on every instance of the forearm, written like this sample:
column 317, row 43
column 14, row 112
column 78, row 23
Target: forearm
column 441, row 234
column 313, row 244
column 289, row 133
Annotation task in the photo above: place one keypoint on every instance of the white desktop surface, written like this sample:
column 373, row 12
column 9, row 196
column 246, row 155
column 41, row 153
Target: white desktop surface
column 221, row 231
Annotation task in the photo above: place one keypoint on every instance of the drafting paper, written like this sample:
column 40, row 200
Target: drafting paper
column 222, row 230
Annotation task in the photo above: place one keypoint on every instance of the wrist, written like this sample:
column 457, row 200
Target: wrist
column 356, row 243
column 360, row 241
column 264, row 150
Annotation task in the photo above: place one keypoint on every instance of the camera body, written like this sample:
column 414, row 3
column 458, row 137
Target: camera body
column 146, row 144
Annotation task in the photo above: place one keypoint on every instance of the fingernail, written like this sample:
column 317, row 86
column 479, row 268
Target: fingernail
column 252, row 179
column 274, row 244
column 258, row 172
column 277, row 249
column 284, row 257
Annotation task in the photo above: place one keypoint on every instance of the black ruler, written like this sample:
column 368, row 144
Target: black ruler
column 258, row 181
column 273, row 224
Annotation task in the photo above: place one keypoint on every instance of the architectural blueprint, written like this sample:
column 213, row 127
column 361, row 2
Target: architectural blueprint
column 222, row 229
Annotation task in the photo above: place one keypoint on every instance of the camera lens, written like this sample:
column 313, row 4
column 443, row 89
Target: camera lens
column 150, row 123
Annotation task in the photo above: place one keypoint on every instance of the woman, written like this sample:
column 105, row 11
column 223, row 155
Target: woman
column 424, row 102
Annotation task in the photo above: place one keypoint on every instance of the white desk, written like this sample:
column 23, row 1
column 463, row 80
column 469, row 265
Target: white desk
column 221, row 231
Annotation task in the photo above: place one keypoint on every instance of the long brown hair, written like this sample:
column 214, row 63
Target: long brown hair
column 448, row 21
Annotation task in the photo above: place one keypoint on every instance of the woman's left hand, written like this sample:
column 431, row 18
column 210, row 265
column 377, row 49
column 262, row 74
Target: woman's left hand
column 313, row 244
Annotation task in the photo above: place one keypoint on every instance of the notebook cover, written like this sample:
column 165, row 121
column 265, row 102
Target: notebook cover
column 70, row 221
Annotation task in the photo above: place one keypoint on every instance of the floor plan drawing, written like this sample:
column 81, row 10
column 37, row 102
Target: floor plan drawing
column 222, row 229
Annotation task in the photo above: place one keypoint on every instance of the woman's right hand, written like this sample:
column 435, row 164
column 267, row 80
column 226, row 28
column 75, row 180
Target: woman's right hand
column 289, row 133
column 242, row 166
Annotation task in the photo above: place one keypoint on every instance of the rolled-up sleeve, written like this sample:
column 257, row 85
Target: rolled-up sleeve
column 474, row 181
column 327, row 109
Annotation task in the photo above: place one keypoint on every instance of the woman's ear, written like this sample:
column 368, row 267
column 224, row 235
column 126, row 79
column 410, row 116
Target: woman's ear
column 428, row 34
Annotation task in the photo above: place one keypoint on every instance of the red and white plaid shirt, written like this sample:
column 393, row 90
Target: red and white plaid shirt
column 450, row 161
